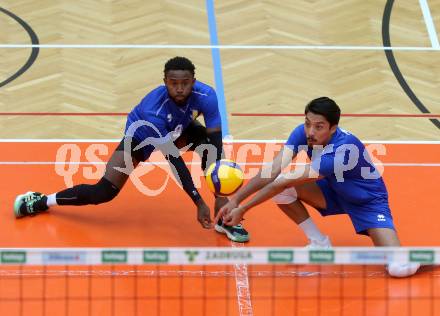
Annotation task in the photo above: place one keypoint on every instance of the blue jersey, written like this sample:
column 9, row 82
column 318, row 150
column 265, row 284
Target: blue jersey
column 346, row 165
column 164, row 115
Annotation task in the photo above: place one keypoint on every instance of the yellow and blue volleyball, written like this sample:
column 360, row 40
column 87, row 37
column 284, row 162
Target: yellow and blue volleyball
column 224, row 177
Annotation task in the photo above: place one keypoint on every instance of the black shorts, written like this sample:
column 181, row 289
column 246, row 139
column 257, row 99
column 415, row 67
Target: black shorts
column 194, row 134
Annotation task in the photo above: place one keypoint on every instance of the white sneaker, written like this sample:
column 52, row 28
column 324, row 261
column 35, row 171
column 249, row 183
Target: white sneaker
column 319, row 244
column 401, row 270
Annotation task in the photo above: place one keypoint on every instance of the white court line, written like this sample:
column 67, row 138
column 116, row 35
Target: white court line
column 59, row 140
column 429, row 24
column 281, row 141
column 237, row 47
column 225, row 141
column 162, row 163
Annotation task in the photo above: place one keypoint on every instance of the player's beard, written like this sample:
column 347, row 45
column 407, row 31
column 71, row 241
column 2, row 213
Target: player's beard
column 311, row 141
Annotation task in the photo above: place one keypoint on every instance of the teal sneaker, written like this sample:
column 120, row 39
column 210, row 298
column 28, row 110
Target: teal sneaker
column 235, row 233
column 30, row 203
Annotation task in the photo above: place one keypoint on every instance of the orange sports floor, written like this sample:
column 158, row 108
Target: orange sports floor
column 169, row 220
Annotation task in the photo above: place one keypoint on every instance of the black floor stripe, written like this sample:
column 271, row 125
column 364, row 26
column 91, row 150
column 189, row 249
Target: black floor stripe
column 393, row 64
column 35, row 50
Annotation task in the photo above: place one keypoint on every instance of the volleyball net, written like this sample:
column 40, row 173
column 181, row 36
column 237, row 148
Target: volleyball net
column 217, row 281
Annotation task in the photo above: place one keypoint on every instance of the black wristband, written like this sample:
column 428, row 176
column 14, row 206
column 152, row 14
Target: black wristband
column 195, row 196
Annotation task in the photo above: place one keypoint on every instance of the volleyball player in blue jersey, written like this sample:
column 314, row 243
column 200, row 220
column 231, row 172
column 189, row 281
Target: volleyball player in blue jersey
column 164, row 120
column 340, row 179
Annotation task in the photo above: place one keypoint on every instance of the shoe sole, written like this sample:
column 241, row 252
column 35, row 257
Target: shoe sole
column 221, row 230
column 17, row 204
column 327, row 245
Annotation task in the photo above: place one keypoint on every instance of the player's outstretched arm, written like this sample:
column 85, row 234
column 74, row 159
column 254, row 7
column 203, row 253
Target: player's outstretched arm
column 183, row 176
column 266, row 175
column 270, row 190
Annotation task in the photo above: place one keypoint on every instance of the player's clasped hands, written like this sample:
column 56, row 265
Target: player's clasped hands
column 234, row 217
column 228, row 211
column 231, row 214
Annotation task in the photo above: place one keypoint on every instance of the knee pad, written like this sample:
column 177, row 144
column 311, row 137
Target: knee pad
column 288, row 196
column 101, row 192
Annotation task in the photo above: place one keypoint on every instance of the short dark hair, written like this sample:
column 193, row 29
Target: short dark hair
column 326, row 107
column 179, row 63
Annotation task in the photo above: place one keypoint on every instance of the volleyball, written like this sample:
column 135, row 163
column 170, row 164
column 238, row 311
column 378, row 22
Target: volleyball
column 224, row 177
